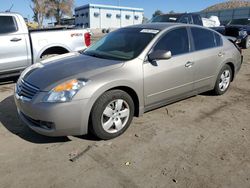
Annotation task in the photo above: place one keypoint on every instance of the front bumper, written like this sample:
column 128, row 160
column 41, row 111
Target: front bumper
column 54, row 119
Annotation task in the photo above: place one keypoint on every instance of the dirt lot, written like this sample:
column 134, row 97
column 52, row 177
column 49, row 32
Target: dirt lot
column 203, row 141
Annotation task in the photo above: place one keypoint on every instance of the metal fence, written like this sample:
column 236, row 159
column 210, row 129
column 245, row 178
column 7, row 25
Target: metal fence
column 226, row 15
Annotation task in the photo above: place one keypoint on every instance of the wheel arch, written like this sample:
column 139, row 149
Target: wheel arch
column 232, row 66
column 54, row 50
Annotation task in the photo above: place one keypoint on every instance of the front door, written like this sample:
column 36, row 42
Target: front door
column 165, row 80
column 13, row 49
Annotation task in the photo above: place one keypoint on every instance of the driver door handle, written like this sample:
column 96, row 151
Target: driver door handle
column 189, row 64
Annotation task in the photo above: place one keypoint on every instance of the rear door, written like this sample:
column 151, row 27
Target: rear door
column 166, row 80
column 208, row 55
column 13, row 49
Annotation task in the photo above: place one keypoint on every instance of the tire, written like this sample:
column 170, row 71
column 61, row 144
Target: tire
column 112, row 114
column 223, row 80
column 246, row 43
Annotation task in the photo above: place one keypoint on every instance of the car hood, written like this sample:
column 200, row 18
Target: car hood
column 49, row 73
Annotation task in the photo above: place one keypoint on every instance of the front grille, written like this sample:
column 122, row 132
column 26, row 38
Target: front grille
column 24, row 89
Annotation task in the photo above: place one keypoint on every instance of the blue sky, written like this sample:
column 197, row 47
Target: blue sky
column 22, row 6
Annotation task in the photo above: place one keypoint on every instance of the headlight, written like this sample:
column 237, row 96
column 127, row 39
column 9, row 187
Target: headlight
column 242, row 33
column 65, row 92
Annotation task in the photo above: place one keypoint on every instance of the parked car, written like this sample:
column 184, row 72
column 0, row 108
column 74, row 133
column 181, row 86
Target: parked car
column 104, row 87
column 188, row 18
column 19, row 47
column 238, row 28
column 239, row 32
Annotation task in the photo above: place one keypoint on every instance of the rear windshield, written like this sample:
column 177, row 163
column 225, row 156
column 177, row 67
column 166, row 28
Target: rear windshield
column 124, row 44
column 244, row 21
column 167, row 18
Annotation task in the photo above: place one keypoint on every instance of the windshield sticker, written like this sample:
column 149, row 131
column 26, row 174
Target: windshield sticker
column 172, row 18
column 153, row 31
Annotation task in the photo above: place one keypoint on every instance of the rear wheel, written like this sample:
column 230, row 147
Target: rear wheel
column 112, row 114
column 223, row 80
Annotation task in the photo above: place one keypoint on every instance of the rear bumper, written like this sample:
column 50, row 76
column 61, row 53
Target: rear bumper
column 58, row 119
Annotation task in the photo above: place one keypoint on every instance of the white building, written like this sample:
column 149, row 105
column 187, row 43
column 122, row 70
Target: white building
column 96, row 16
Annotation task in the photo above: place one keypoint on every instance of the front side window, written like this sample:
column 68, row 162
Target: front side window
column 8, row 24
column 203, row 38
column 175, row 41
column 123, row 44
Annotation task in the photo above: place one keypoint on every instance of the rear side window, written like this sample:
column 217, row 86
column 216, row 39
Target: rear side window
column 218, row 40
column 175, row 41
column 7, row 24
column 203, row 38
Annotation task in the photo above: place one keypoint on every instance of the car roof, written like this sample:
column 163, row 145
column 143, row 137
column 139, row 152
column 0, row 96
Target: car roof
column 157, row 26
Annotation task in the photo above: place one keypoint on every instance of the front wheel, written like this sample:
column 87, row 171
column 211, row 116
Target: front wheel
column 223, row 80
column 112, row 114
column 246, row 43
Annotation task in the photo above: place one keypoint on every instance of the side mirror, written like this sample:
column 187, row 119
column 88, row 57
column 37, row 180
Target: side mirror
column 159, row 55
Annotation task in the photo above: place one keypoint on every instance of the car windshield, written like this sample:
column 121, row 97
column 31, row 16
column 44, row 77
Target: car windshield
column 245, row 21
column 167, row 18
column 124, row 44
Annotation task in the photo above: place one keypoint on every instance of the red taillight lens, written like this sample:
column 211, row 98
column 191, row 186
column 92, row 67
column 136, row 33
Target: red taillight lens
column 87, row 38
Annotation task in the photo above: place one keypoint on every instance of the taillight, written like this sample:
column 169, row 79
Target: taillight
column 87, row 38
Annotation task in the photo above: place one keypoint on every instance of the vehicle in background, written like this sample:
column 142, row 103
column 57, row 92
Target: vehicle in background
column 239, row 32
column 238, row 28
column 20, row 47
column 188, row 18
column 212, row 21
column 128, row 72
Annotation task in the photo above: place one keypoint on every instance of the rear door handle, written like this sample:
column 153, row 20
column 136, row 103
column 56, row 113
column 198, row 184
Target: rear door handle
column 15, row 39
column 189, row 64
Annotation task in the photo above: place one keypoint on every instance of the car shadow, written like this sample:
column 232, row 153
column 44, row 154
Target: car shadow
column 9, row 80
column 9, row 119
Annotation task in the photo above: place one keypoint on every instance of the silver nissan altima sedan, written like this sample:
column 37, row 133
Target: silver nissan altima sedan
column 128, row 72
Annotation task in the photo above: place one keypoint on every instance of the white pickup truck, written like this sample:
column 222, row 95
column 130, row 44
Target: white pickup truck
column 20, row 47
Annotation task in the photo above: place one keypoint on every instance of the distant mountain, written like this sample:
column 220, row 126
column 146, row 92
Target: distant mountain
column 228, row 5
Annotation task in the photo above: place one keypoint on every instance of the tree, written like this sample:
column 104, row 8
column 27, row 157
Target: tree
column 157, row 13
column 40, row 9
column 171, row 12
column 60, row 8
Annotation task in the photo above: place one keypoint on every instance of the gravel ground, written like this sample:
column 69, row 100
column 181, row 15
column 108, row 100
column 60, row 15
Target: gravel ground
column 199, row 142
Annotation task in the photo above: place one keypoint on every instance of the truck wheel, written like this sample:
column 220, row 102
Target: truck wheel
column 112, row 114
column 246, row 43
column 223, row 80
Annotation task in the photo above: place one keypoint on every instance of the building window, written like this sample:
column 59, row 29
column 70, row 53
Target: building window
column 136, row 17
column 108, row 15
column 87, row 14
column 127, row 17
column 77, row 15
column 96, row 14
column 82, row 15
column 118, row 16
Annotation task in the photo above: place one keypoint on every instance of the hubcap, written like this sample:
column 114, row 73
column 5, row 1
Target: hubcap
column 224, row 80
column 115, row 116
